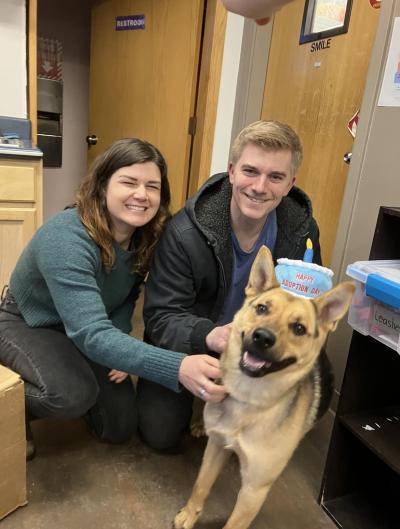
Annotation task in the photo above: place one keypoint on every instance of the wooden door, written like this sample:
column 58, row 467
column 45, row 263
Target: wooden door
column 143, row 81
column 317, row 93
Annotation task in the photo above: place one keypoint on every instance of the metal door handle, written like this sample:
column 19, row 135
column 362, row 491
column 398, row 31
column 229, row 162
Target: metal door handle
column 91, row 139
column 347, row 157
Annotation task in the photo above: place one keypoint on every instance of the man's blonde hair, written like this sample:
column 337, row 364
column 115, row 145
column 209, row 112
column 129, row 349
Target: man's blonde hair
column 269, row 135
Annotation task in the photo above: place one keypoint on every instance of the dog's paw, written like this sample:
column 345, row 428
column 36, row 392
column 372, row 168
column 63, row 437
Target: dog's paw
column 186, row 518
column 197, row 429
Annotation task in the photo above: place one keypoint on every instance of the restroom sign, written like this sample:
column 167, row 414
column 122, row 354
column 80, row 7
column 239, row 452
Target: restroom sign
column 128, row 22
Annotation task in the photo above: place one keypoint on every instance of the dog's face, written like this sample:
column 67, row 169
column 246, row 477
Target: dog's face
column 275, row 331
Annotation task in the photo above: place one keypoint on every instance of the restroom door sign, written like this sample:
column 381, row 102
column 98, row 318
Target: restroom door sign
column 129, row 22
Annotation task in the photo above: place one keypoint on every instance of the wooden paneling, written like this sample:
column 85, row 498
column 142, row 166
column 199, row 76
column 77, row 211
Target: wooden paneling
column 317, row 94
column 143, row 82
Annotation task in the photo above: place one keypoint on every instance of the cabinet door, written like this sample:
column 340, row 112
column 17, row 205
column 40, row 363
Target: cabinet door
column 17, row 225
column 17, row 183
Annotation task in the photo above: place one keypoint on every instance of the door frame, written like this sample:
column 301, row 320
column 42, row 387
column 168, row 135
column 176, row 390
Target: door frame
column 209, row 77
column 31, row 13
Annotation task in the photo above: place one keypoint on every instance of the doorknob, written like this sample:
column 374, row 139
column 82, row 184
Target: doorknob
column 347, row 157
column 91, row 139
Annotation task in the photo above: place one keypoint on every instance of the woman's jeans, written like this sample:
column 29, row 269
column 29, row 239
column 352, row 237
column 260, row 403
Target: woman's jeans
column 61, row 382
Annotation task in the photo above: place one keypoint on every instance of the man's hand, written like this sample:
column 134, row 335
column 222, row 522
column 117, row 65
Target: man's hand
column 117, row 376
column 217, row 339
column 196, row 373
column 259, row 10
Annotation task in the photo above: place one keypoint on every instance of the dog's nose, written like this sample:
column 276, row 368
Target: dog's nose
column 263, row 338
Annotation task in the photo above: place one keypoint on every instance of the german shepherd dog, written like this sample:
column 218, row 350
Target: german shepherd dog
column 272, row 372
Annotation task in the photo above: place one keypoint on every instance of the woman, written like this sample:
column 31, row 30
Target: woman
column 65, row 319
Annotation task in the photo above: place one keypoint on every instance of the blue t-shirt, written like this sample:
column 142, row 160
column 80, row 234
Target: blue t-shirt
column 242, row 262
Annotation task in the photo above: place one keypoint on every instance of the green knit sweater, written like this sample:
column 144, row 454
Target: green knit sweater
column 60, row 279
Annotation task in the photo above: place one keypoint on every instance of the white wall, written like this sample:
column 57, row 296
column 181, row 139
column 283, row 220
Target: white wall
column 240, row 99
column 13, row 75
column 252, row 73
column 227, row 93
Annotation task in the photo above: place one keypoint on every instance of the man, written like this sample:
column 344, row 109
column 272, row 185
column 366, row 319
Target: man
column 202, row 263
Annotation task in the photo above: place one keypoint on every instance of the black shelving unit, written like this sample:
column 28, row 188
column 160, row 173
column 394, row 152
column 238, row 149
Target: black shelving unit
column 361, row 482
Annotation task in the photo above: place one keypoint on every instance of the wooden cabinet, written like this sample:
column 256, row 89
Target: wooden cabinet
column 361, row 484
column 21, row 210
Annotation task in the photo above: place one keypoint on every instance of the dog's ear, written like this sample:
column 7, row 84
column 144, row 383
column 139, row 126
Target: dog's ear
column 333, row 305
column 262, row 274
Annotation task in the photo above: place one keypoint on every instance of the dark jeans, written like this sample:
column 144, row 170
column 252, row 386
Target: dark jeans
column 62, row 383
column 164, row 415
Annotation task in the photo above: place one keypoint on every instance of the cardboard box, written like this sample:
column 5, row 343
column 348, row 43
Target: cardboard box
column 12, row 442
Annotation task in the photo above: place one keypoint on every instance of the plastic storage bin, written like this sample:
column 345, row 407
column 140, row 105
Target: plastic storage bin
column 375, row 309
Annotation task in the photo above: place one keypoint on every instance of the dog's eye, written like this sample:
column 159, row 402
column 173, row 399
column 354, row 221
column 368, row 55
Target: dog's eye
column 262, row 309
column 298, row 328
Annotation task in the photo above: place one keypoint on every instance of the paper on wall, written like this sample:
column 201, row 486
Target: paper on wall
column 390, row 89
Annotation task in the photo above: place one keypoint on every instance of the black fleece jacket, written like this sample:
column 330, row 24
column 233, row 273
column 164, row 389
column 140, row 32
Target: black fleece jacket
column 192, row 266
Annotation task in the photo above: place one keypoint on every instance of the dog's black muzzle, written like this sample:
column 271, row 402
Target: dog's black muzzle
column 258, row 356
column 262, row 339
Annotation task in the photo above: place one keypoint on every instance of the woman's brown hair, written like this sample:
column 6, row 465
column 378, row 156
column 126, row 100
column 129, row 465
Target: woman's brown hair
column 91, row 200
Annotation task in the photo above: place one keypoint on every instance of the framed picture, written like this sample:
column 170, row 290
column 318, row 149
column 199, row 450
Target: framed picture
column 324, row 18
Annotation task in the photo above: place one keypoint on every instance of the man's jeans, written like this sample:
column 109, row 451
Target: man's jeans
column 61, row 382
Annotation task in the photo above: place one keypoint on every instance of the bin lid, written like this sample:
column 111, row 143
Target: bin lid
column 390, row 269
column 381, row 279
column 384, row 290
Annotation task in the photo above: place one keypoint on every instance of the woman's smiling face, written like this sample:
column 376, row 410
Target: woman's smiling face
column 133, row 198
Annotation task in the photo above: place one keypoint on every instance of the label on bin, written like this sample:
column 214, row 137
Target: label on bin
column 385, row 321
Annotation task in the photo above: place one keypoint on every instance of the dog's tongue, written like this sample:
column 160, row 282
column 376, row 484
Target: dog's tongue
column 253, row 362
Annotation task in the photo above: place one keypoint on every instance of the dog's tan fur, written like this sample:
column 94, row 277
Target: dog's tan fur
column 263, row 418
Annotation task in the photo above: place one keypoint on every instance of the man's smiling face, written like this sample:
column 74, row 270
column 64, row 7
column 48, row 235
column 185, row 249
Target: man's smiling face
column 260, row 179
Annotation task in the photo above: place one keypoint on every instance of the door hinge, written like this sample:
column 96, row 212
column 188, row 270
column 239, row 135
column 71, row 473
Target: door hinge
column 192, row 125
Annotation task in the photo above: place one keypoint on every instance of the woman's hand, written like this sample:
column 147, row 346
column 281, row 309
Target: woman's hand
column 196, row 373
column 117, row 376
